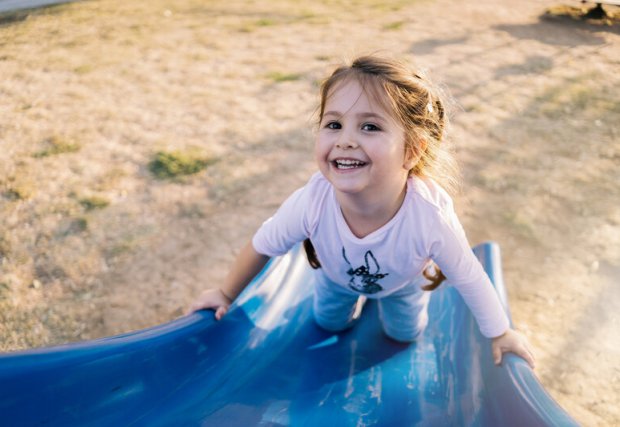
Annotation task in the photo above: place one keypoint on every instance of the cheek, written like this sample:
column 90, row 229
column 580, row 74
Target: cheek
column 319, row 151
column 321, row 147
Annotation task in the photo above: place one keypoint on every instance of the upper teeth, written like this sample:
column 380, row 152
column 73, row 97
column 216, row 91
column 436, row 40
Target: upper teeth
column 349, row 163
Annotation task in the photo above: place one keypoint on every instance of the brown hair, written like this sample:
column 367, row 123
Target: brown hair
column 416, row 104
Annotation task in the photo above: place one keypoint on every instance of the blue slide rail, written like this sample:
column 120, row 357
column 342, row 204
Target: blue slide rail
column 267, row 364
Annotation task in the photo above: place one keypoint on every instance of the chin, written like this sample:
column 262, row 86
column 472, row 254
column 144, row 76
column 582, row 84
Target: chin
column 347, row 188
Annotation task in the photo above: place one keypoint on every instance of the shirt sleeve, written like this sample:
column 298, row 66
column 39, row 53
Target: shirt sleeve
column 288, row 226
column 451, row 252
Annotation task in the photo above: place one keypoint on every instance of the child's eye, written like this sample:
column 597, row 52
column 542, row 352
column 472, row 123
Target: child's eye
column 370, row 127
column 333, row 125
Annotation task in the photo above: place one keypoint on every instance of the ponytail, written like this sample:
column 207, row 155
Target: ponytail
column 436, row 279
column 313, row 260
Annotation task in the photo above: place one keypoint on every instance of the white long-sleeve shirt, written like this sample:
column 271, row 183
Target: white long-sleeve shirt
column 425, row 228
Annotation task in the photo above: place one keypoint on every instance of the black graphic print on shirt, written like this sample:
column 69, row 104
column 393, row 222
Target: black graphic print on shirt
column 362, row 279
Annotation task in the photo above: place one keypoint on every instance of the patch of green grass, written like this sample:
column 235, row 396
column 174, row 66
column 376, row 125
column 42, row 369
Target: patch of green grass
column 73, row 226
column 245, row 28
column 120, row 249
column 303, row 16
column 20, row 187
column 394, row 25
column 58, row 145
column 388, row 6
column 306, row 15
column 78, row 225
column 265, row 22
column 5, row 247
column 83, row 69
column 249, row 27
column 5, row 289
column 174, row 164
column 521, row 225
column 18, row 193
column 94, row 202
column 192, row 211
column 280, row 77
column 130, row 241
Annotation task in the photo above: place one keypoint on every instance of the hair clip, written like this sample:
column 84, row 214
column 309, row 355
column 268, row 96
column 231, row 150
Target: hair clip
column 429, row 107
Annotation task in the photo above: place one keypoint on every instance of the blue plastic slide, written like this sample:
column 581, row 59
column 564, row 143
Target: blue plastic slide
column 267, row 364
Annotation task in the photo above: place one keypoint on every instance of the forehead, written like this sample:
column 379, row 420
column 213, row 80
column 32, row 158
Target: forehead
column 359, row 93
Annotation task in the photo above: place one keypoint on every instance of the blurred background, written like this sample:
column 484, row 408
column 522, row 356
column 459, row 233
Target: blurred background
column 142, row 143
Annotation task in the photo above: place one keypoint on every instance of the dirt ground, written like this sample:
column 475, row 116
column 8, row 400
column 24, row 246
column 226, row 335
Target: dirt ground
column 92, row 243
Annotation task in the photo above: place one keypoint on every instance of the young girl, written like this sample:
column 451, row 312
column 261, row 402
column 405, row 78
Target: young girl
column 373, row 220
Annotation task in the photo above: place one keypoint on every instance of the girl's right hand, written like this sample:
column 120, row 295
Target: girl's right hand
column 213, row 299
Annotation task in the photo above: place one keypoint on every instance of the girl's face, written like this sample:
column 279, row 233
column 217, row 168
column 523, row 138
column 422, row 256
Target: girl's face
column 360, row 147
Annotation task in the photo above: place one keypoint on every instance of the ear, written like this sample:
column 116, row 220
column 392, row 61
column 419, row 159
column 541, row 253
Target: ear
column 413, row 153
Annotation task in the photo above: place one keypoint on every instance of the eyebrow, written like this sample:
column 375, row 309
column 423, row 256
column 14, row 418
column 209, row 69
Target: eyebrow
column 368, row 115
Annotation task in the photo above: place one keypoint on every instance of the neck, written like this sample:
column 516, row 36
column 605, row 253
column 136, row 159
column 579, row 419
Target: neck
column 363, row 216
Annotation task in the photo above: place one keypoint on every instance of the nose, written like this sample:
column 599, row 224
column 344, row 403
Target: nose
column 346, row 140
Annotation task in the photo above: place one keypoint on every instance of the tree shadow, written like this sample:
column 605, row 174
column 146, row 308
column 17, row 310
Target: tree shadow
column 428, row 46
column 533, row 64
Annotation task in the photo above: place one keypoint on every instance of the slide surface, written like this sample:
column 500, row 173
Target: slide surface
column 267, row 364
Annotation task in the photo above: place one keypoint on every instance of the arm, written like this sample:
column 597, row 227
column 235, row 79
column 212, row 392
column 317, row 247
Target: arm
column 275, row 237
column 482, row 300
column 457, row 262
column 247, row 265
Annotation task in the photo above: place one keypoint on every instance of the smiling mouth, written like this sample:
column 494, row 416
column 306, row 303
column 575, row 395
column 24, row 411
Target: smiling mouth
column 348, row 164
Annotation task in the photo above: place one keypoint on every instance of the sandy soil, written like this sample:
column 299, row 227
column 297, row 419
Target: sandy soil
column 92, row 244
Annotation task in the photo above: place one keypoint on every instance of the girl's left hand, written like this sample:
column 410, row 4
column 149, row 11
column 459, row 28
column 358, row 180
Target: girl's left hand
column 513, row 342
